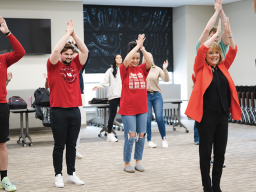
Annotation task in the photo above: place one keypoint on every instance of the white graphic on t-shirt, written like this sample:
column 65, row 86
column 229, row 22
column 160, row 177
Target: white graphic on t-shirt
column 68, row 74
column 136, row 81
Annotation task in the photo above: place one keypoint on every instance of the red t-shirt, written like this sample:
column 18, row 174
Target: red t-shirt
column 134, row 90
column 6, row 60
column 64, row 83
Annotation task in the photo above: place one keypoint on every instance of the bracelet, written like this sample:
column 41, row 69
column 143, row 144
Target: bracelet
column 143, row 48
column 6, row 34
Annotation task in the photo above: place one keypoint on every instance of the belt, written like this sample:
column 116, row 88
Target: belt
column 152, row 92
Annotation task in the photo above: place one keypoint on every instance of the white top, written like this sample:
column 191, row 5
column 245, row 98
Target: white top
column 115, row 83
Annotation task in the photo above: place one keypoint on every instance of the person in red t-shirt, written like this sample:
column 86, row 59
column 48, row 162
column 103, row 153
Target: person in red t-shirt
column 65, row 97
column 6, row 60
column 133, row 103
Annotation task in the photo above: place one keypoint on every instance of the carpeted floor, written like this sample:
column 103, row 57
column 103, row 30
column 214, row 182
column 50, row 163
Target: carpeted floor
column 175, row 169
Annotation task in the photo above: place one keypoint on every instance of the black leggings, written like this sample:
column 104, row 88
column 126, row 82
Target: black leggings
column 213, row 128
column 65, row 123
column 113, row 104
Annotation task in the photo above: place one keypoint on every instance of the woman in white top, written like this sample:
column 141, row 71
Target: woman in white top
column 155, row 100
column 112, row 77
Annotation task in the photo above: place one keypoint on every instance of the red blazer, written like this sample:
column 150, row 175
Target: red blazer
column 203, row 76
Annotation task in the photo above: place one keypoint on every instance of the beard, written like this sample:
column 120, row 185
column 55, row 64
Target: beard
column 66, row 63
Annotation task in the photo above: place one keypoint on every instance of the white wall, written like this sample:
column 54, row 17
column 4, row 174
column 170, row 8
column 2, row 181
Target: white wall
column 28, row 72
column 243, row 25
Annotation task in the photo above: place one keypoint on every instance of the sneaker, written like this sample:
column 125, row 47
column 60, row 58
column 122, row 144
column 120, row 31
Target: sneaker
column 78, row 155
column 74, row 179
column 224, row 165
column 212, row 161
column 111, row 138
column 151, row 144
column 196, row 142
column 7, row 185
column 59, row 181
column 164, row 144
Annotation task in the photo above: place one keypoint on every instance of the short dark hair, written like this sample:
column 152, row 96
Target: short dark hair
column 66, row 47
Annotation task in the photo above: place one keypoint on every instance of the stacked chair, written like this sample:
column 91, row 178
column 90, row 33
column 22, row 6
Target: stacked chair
column 246, row 97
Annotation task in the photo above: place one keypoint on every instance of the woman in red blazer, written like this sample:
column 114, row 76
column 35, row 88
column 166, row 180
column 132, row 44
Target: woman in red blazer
column 213, row 96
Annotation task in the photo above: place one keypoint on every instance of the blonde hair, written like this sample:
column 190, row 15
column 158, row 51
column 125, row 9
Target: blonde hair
column 143, row 59
column 215, row 46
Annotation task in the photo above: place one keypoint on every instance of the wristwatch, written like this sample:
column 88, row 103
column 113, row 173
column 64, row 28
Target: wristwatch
column 6, row 34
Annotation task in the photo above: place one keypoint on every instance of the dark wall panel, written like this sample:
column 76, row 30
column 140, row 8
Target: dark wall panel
column 109, row 29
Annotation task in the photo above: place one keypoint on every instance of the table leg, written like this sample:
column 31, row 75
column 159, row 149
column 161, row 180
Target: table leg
column 21, row 131
column 27, row 131
column 105, row 123
column 179, row 122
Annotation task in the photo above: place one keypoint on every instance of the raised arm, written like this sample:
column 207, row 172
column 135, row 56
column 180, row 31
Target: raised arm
column 18, row 52
column 211, row 40
column 230, row 35
column 210, row 23
column 131, row 54
column 54, row 57
column 147, row 55
column 201, row 54
column 164, row 73
column 83, row 55
column 224, row 36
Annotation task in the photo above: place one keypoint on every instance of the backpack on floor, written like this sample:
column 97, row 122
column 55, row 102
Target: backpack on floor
column 42, row 97
column 15, row 102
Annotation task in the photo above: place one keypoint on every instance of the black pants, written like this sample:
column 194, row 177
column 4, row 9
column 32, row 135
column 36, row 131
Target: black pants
column 113, row 104
column 212, row 129
column 65, row 123
column 4, row 122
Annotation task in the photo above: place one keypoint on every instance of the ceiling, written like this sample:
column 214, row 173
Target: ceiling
column 151, row 3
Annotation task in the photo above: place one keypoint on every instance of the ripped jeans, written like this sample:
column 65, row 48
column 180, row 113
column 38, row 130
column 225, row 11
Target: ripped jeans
column 138, row 124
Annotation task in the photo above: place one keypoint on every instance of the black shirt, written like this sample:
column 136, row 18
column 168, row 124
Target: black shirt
column 217, row 96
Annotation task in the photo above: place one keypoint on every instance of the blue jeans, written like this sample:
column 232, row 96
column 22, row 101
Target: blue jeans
column 156, row 101
column 196, row 135
column 137, row 124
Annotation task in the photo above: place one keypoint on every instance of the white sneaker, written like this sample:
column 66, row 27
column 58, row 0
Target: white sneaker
column 78, row 155
column 111, row 138
column 74, row 179
column 164, row 144
column 59, row 181
column 151, row 144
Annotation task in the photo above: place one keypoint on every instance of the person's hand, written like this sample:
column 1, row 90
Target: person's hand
column 140, row 41
column 4, row 29
column 218, row 7
column 227, row 27
column 45, row 75
column 9, row 76
column 165, row 64
column 95, row 88
column 71, row 39
column 219, row 28
column 219, row 1
column 70, row 28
